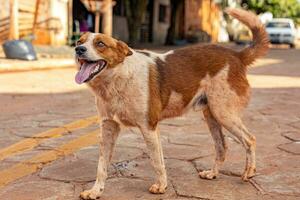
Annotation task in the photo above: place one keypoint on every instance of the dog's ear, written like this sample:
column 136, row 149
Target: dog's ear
column 123, row 47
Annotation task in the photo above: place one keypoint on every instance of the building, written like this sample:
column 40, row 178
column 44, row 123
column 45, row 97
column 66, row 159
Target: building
column 43, row 21
column 202, row 15
column 155, row 22
column 193, row 15
column 56, row 22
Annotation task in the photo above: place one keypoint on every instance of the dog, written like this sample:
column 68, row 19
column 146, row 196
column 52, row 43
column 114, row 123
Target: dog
column 140, row 88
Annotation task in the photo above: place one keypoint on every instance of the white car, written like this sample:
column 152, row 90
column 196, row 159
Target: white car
column 282, row 31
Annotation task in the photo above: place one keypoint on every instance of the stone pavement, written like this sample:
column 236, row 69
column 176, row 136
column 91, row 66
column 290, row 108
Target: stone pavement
column 49, row 57
column 48, row 145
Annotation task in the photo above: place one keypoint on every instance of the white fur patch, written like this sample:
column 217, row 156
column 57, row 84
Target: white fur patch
column 126, row 90
column 154, row 55
column 220, row 93
column 91, row 53
column 163, row 56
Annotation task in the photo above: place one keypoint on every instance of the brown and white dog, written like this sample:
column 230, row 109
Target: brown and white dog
column 141, row 88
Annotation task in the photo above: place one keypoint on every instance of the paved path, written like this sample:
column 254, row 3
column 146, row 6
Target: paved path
column 48, row 141
column 49, row 57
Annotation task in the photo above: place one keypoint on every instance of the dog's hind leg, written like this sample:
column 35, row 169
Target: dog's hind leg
column 220, row 145
column 224, row 112
column 109, row 132
column 227, row 95
column 152, row 139
column 233, row 123
column 237, row 128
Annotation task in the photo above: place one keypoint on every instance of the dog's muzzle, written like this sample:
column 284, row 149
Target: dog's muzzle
column 88, row 69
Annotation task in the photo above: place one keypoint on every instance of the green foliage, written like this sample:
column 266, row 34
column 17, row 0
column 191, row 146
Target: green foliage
column 279, row 8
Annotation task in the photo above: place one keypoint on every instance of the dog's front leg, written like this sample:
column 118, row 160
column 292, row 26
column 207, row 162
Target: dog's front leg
column 109, row 131
column 152, row 139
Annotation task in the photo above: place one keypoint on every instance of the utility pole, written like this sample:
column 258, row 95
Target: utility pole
column 107, row 20
column 36, row 12
column 14, row 22
column 97, row 17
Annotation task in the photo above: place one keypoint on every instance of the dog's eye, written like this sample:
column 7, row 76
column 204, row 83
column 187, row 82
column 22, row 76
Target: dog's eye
column 100, row 44
column 78, row 42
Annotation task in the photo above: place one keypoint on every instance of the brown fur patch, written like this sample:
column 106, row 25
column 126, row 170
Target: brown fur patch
column 183, row 71
column 260, row 45
column 237, row 78
column 155, row 106
column 83, row 38
column 185, row 68
column 113, row 51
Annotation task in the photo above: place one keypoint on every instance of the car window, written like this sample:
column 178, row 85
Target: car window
column 278, row 25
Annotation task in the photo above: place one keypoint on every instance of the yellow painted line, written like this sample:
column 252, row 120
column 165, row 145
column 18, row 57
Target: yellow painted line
column 30, row 143
column 35, row 163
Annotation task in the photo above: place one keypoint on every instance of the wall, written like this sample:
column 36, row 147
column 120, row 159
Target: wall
column 192, row 14
column 52, row 21
column 4, row 8
column 204, row 15
column 59, row 14
column 120, row 28
column 160, row 29
column 4, row 20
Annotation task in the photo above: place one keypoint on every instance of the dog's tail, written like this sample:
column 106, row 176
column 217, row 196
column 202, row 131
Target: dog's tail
column 260, row 44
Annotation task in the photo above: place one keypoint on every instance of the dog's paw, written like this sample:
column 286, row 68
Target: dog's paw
column 208, row 174
column 248, row 173
column 157, row 189
column 90, row 194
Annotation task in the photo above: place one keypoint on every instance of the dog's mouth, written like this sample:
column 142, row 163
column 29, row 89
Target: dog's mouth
column 89, row 69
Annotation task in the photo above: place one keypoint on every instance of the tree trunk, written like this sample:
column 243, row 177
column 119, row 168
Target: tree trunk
column 176, row 8
column 135, row 11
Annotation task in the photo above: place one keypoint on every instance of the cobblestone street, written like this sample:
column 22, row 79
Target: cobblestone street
column 48, row 141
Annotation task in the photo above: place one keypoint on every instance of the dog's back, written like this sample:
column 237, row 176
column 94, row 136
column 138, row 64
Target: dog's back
column 185, row 72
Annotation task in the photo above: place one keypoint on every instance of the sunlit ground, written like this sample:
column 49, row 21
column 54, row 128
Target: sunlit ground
column 45, row 81
column 268, row 81
column 266, row 61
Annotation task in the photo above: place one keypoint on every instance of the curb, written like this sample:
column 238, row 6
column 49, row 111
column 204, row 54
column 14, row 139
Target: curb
column 11, row 65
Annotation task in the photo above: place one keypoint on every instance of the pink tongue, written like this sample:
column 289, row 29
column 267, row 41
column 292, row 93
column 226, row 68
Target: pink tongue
column 85, row 72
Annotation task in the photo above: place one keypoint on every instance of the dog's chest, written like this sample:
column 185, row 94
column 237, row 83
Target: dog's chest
column 127, row 111
column 126, row 101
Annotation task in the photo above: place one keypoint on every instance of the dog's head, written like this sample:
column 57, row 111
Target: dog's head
column 96, row 52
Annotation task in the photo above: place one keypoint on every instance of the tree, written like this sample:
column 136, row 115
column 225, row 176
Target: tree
column 279, row 8
column 135, row 11
column 173, row 33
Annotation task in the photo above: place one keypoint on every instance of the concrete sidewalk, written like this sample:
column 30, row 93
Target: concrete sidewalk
column 12, row 65
column 48, row 58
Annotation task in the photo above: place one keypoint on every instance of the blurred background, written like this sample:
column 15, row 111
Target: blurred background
column 48, row 123
column 138, row 22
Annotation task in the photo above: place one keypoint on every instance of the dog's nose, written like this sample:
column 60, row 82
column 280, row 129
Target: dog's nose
column 80, row 50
